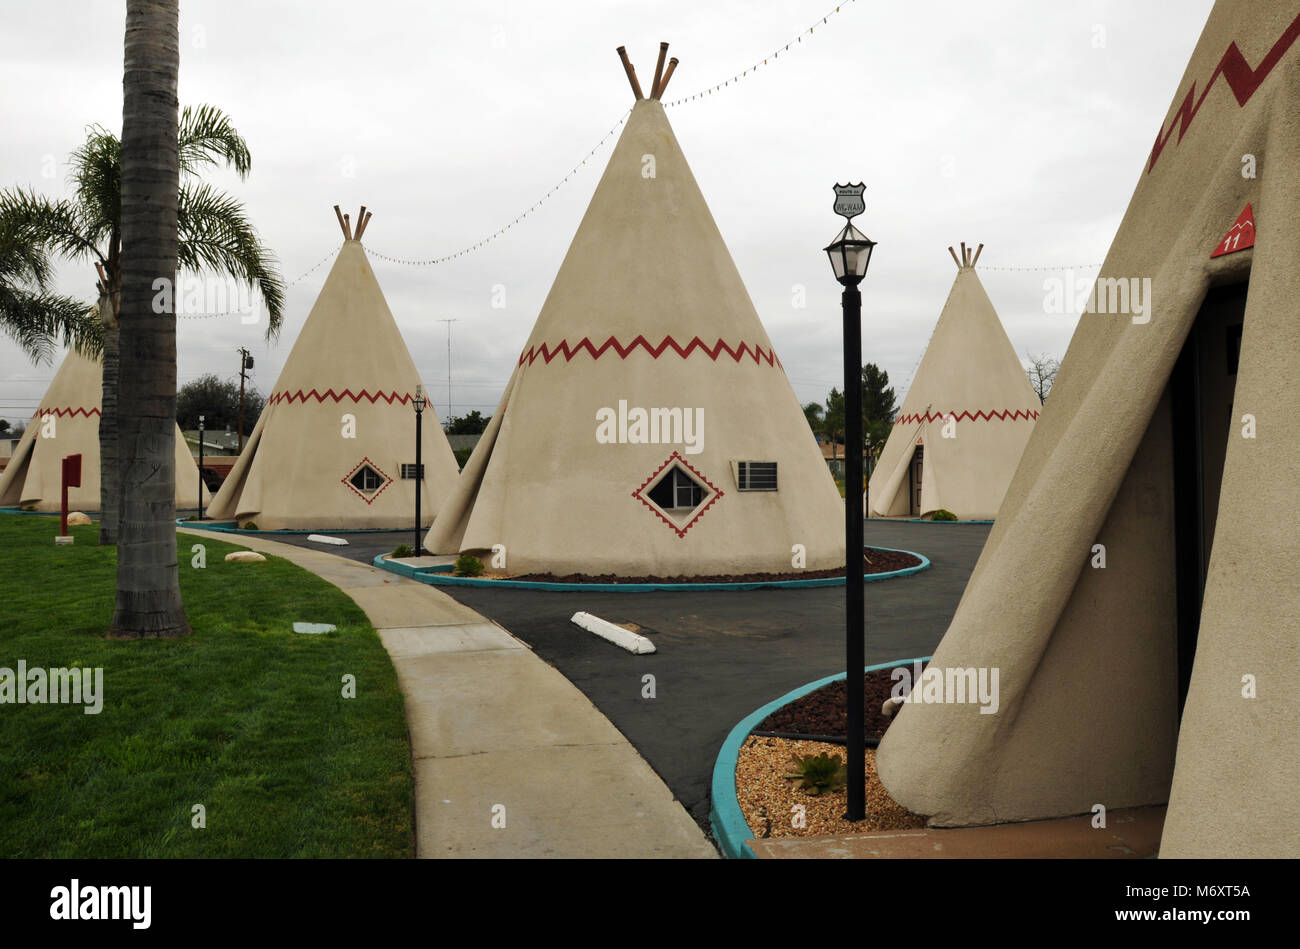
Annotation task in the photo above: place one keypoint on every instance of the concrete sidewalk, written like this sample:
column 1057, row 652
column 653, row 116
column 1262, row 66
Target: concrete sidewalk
column 510, row 758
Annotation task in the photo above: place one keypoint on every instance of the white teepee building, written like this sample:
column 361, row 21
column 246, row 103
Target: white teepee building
column 648, row 428
column 1139, row 590
column 966, row 418
column 334, row 447
column 67, row 423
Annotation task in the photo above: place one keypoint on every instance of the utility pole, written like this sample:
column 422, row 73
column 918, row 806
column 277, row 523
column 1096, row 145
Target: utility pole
column 446, row 412
column 245, row 363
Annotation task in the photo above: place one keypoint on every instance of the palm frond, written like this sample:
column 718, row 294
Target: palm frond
column 207, row 137
column 216, row 235
column 42, row 225
column 95, row 171
column 38, row 322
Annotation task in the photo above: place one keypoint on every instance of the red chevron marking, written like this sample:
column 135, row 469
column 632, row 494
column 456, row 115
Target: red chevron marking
column 979, row 416
column 300, row 396
column 679, row 531
column 73, row 413
column 1241, row 79
column 547, row 353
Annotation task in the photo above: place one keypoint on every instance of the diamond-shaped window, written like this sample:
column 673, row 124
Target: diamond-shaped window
column 366, row 480
column 677, row 493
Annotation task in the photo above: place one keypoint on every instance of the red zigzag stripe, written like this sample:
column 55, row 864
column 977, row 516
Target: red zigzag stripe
column 1241, row 79
column 547, row 353
column 300, row 396
column 70, row 412
column 980, row 416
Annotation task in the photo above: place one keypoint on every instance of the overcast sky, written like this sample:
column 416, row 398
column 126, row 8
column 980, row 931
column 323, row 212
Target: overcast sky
column 1022, row 125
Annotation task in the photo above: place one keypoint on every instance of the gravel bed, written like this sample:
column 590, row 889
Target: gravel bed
column 767, row 799
column 822, row 713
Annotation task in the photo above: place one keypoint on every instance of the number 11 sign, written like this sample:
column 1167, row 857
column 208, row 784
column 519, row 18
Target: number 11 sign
column 1239, row 237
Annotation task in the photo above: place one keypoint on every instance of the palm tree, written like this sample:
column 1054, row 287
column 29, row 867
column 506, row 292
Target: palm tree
column 34, row 317
column 148, row 584
column 214, row 235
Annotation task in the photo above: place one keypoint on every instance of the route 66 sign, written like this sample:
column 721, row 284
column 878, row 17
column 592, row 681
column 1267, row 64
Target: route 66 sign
column 849, row 201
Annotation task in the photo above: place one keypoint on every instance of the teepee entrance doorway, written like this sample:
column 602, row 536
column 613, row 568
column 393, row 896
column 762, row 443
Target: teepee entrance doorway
column 1201, row 387
column 914, row 479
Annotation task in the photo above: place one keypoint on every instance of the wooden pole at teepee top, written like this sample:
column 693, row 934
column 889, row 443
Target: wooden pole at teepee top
column 965, row 255
column 954, row 257
column 347, row 226
column 343, row 225
column 974, row 260
column 672, row 64
column 631, row 72
column 659, row 71
column 362, row 221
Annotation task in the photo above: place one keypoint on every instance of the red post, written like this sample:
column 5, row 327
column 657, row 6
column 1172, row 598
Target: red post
column 71, row 479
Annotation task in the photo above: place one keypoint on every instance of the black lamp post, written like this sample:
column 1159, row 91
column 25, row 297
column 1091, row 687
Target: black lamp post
column 850, row 253
column 419, row 402
column 200, row 467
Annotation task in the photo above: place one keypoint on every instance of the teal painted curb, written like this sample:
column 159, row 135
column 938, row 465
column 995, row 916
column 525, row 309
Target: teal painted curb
column 225, row 527
column 440, row 576
column 725, row 816
column 926, row 520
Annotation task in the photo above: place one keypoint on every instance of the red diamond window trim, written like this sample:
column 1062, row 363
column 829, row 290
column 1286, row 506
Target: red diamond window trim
column 347, row 480
column 677, row 457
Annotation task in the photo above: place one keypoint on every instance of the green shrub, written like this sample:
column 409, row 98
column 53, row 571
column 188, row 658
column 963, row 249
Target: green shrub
column 462, row 455
column 818, row 773
column 942, row 515
column 403, row 550
column 249, row 526
column 467, row 565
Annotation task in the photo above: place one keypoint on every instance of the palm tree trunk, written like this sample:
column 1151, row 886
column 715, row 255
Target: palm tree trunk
column 109, row 473
column 148, row 584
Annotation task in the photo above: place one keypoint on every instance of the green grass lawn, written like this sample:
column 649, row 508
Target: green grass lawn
column 244, row 717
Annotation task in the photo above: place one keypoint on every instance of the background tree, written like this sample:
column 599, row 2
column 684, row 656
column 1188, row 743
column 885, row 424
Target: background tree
column 833, row 420
column 813, row 412
column 472, row 423
column 879, row 406
column 148, row 585
column 214, row 236
column 1042, row 371
column 217, row 400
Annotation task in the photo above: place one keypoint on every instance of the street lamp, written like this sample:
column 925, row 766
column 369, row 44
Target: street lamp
column 419, row 402
column 200, row 467
column 850, row 253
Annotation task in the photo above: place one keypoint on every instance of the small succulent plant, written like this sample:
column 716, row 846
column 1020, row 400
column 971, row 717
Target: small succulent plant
column 818, row 773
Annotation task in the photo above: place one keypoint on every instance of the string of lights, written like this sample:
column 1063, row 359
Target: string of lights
column 500, row 231
column 770, row 59
column 1061, row 267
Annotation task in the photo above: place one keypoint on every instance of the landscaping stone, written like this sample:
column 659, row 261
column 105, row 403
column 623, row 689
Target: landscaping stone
column 245, row 556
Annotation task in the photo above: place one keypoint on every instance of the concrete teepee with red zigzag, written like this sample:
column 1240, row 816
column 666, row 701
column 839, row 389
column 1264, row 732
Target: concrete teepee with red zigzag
column 67, row 423
column 648, row 428
column 334, row 449
column 967, row 416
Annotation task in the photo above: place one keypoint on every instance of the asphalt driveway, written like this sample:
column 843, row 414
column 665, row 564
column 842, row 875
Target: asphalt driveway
column 723, row 654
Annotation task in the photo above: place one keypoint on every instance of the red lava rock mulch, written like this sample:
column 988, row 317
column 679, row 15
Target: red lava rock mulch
column 822, row 712
column 873, row 561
